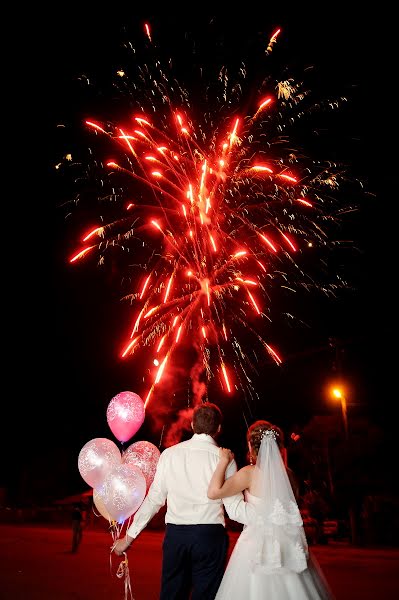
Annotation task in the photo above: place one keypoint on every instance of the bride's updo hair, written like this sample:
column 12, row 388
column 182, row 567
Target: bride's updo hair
column 255, row 431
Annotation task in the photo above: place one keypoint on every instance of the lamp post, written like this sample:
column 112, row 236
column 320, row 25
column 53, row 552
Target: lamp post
column 353, row 509
column 338, row 393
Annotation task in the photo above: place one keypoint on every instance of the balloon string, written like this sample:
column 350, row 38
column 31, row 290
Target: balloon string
column 115, row 530
column 123, row 571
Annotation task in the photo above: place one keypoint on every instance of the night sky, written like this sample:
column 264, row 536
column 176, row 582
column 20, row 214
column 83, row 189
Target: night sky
column 67, row 325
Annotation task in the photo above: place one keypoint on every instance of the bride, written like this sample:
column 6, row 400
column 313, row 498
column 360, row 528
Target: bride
column 270, row 560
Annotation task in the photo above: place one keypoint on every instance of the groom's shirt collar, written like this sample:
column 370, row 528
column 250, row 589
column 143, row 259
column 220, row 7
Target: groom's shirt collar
column 204, row 437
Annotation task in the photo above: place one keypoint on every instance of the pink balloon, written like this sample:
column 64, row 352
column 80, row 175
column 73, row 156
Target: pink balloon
column 145, row 456
column 125, row 415
column 122, row 492
column 96, row 459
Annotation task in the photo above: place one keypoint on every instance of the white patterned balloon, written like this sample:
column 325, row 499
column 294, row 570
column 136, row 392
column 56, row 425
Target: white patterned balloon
column 122, row 492
column 145, row 456
column 96, row 459
column 100, row 506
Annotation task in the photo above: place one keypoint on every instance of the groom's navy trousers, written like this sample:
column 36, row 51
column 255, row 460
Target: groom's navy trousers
column 194, row 558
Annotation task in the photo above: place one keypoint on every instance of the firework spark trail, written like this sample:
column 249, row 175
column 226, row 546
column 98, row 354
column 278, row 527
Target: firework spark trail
column 230, row 208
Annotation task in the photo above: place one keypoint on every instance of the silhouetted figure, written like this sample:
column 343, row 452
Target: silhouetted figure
column 77, row 527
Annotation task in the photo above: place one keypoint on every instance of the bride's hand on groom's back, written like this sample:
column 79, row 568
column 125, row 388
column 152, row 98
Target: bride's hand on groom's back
column 225, row 455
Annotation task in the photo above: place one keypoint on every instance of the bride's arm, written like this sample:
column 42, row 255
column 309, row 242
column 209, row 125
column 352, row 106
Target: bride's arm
column 221, row 488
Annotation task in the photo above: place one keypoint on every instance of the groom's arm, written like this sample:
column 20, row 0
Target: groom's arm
column 236, row 507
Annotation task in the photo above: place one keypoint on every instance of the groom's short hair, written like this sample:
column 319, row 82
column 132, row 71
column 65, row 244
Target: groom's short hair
column 206, row 418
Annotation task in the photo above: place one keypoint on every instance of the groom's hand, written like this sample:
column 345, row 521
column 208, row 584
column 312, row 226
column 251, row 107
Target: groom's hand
column 122, row 545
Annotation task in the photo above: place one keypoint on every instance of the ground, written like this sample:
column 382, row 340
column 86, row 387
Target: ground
column 36, row 564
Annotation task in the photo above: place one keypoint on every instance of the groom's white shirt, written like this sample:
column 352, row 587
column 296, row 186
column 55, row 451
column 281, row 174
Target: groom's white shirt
column 181, row 480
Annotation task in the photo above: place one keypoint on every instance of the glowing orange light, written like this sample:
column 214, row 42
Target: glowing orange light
column 274, row 354
column 150, row 312
column 129, row 347
column 178, row 333
column 305, row 202
column 161, row 343
column 142, row 121
column 287, row 177
column 253, row 302
column 289, row 241
column 145, row 286
column 98, row 230
column 136, row 325
column 226, row 378
column 148, row 397
column 161, row 369
column 81, row 254
column 261, row 265
column 233, row 133
column 156, row 224
column 147, row 30
column 261, row 168
column 95, row 126
column 264, row 103
column 268, row 242
column 275, row 34
column 167, row 289
column 126, row 138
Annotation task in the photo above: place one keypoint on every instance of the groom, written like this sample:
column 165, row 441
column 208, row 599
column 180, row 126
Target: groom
column 195, row 543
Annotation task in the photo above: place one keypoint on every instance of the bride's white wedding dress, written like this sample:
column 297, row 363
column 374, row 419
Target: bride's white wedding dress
column 244, row 580
column 271, row 560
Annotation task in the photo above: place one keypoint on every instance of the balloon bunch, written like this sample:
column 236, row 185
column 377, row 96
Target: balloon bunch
column 120, row 481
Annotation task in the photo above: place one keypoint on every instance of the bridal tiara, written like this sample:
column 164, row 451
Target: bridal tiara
column 269, row 433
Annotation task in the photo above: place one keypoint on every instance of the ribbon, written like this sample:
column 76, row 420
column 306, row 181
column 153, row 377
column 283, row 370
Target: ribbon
column 115, row 530
column 123, row 571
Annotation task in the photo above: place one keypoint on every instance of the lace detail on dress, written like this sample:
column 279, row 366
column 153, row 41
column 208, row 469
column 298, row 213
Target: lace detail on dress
column 273, row 551
column 272, row 555
column 280, row 543
column 299, row 557
column 280, row 516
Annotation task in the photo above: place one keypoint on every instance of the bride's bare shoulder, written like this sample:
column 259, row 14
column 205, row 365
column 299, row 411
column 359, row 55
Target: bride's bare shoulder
column 248, row 468
column 247, row 472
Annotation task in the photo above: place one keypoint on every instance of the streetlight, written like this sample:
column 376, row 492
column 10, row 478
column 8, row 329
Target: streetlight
column 338, row 393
